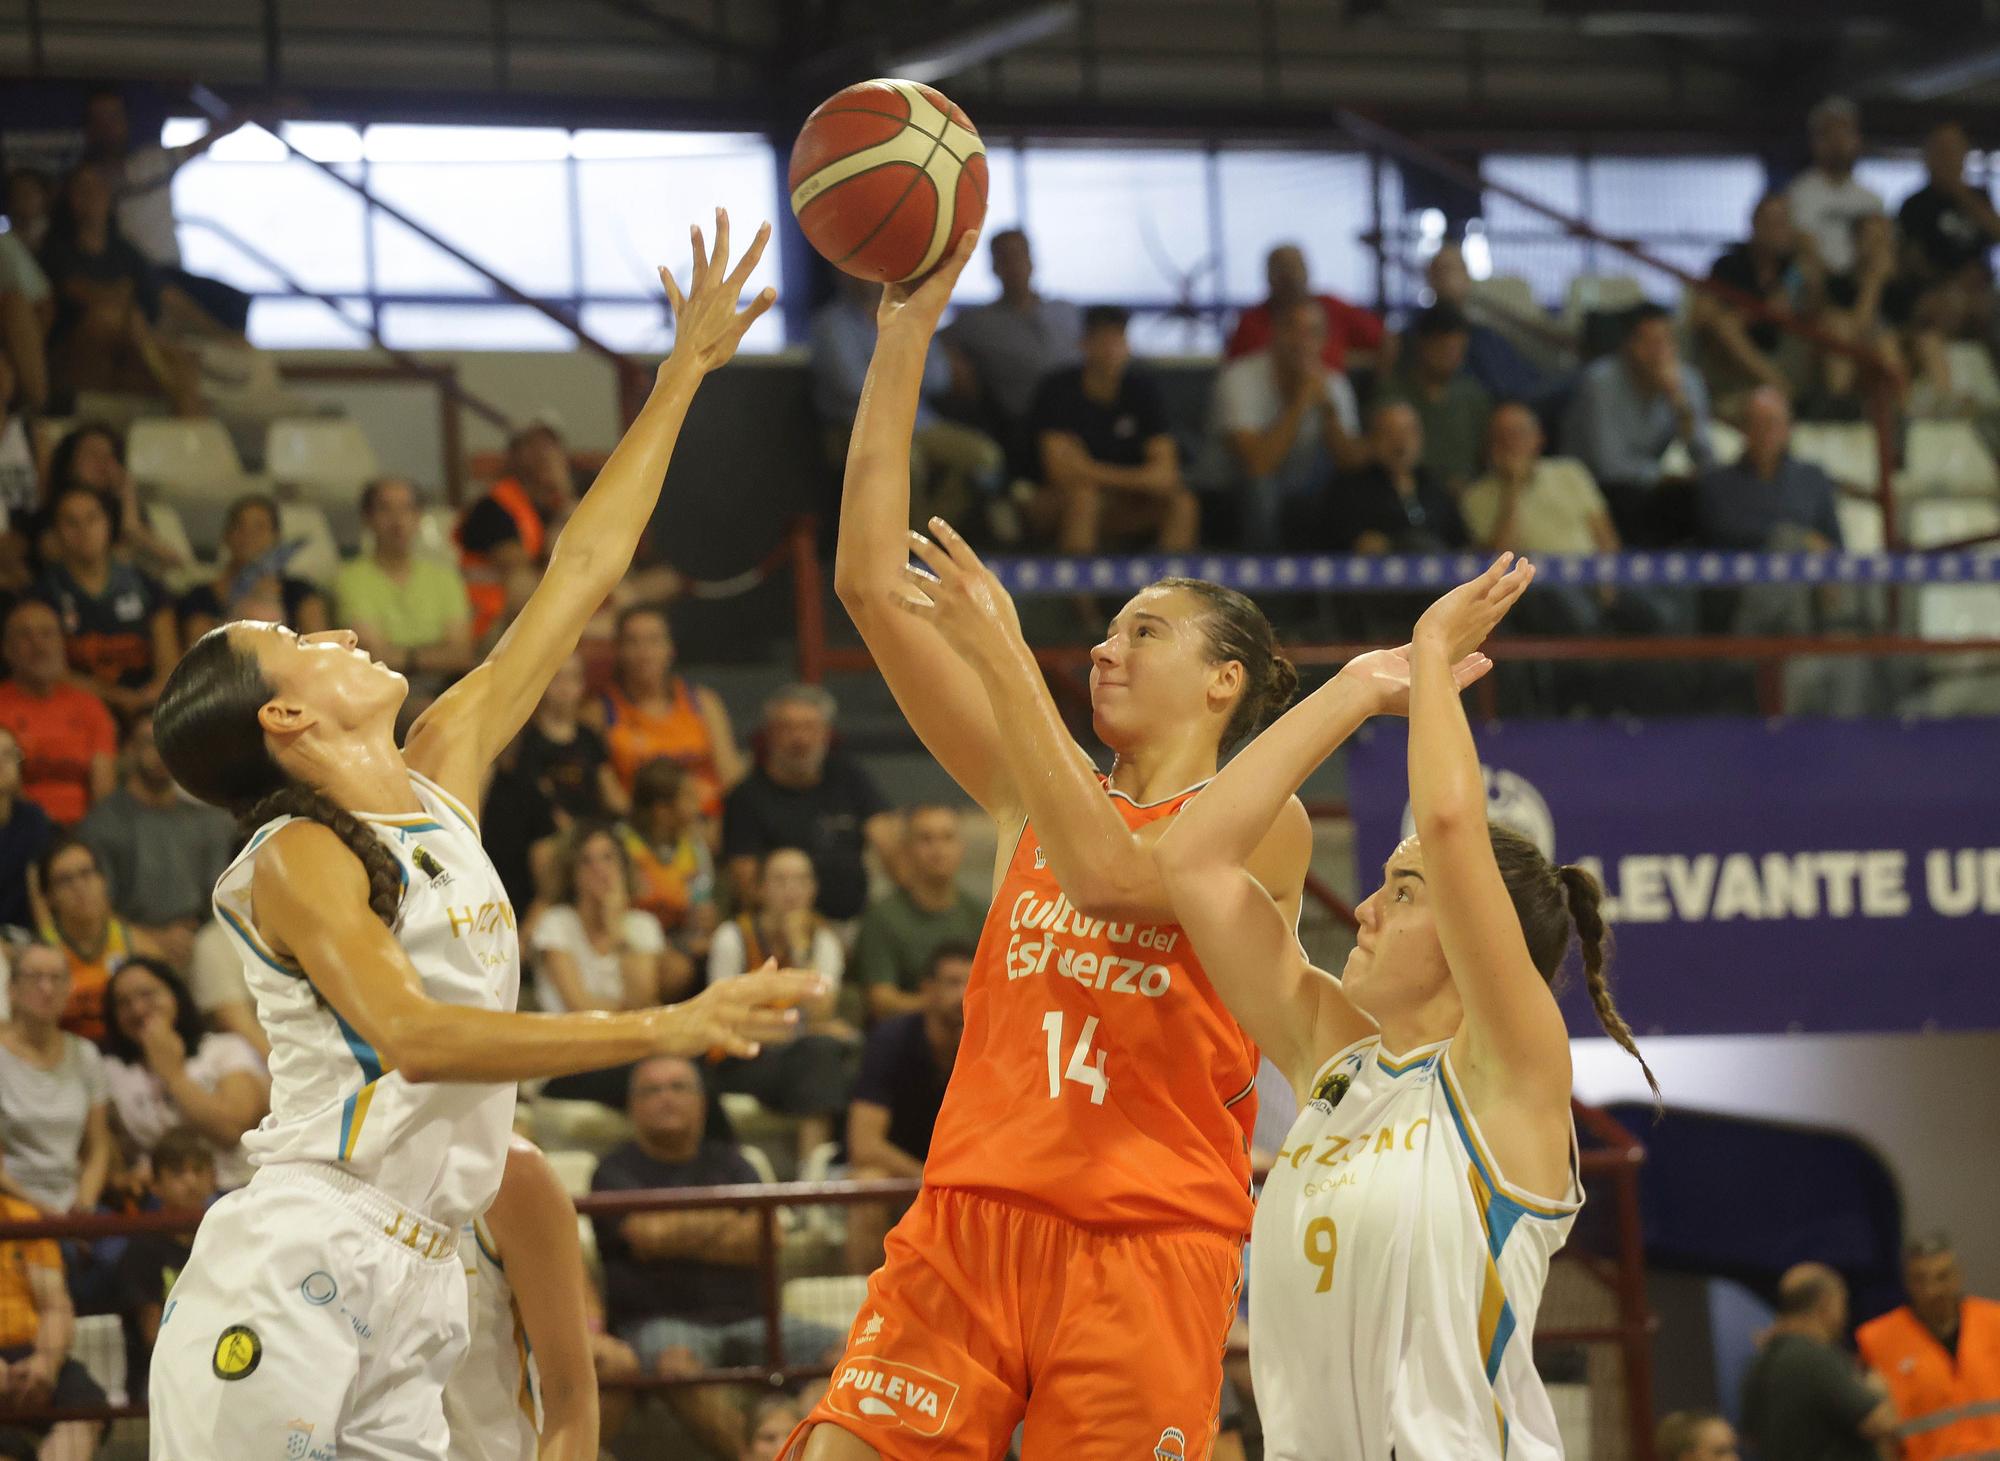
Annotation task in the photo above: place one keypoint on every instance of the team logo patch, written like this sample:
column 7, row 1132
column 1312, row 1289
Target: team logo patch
column 1172, row 1445
column 872, row 1330
column 237, row 1353
column 1332, row 1086
column 318, row 1288
column 886, row 1392
column 299, row 1443
column 1041, row 857
column 427, row 863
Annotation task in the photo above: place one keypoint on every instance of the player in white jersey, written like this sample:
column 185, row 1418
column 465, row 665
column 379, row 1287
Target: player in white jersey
column 1402, row 1239
column 323, row 1307
column 526, row 1388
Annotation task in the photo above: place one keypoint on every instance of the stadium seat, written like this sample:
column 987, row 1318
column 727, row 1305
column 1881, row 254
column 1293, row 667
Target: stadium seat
column 1510, row 295
column 99, row 1346
column 833, row 1300
column 1936, row 521
column 577, row 1125
column 190, row 461
column 165, row 521
column 1846, row 450
column 573, row 1169
column 759, row 1159
column 318, row 557
column 1860, row 525
column 1725, row 441
column 1972, row 373
column 1947, row 458
column 1591, row 294
column 327, row 459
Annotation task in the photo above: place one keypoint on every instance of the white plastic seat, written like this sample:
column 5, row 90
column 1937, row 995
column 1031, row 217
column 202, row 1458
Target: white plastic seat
column 577, row 1125
column 760, row 1162
column 326, row 459
column 1725, row 441
column 99, row 1346
column 1860, row 525
column 1972, row 373
column 1947, row 458
column 1510, row 295
column 1935, row 521
column 318, row 557
column 573, row 1169
column 833, row 1300
column 192, row 461
column 1600, row 294
column 1846, row 450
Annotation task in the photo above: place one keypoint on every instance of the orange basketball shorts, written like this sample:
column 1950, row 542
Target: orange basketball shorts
column 986, row 1315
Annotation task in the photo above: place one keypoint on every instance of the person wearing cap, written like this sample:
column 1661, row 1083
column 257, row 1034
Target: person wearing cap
column 1828, row 202
column 1451, row 404
column 504, row 536
column 1940, row 1355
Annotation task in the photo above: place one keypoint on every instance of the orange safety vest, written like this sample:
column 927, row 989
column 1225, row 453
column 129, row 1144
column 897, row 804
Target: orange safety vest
column 1949, row 1406
column 484, row 585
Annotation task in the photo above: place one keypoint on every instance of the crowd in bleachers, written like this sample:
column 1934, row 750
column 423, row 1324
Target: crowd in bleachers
column 652, row 849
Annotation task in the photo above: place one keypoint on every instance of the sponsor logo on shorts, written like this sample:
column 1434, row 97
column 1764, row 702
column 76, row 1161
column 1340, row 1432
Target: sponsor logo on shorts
column 299, row 1443
column 318, row 1288
column 238, row 1352
column 1172, row 1445
column 890, row 1392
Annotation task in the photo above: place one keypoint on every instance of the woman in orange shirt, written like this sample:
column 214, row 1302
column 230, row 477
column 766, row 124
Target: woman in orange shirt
column 649, row 712
column 93, row 940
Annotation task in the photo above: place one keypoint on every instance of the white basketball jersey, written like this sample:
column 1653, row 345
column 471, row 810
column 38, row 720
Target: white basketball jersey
column 494, row 1401
column 438, row 1147
column 1394, row 1277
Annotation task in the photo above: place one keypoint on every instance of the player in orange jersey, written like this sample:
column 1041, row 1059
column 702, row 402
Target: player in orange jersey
column 1073, row 1260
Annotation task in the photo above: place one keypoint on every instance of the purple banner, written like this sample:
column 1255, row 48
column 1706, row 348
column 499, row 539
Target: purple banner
column 1761, row 877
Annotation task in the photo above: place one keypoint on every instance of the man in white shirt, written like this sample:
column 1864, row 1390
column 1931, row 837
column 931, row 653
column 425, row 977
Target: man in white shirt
column 1287, row 421
column 1827, row 202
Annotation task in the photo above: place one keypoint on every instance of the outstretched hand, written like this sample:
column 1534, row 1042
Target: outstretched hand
column 737, row 1016
column 1463, row 619
column 708, row 326
column 958, row 594
column 920, row 304
column 1384, row 676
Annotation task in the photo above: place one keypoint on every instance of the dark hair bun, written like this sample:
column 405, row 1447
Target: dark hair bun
column 1284, row 684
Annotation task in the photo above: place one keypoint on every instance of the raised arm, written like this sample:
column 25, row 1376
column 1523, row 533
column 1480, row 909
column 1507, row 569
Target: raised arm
column 1295, row 1012
column 311, row 903
column 458, row 737
column 1104, row 867
column 534, row 1223
column 939, row 694
column 1515, row 1044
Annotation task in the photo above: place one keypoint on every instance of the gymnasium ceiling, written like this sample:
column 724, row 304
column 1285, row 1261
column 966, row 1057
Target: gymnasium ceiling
column 1441, row 66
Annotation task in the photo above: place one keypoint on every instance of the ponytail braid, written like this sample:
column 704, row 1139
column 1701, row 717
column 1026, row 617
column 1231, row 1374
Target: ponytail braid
column 1585, row 900
column 296, row 799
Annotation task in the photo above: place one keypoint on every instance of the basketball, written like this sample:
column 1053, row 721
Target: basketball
column 885, row 177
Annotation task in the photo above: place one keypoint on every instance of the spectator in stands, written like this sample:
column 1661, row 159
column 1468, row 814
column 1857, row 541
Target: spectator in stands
column 118, row 622
column 67, row 738
column 1005, row 348
column 1106, row 450
column 667, row 839
column 902, row 931
column 904, row 1069
column 1628, row 409
column 221, row 993
column 252, row 578
column 1393, row 504
column 1695, row 1435
column 555, row 774
column 1804, row 1398
column 682, row 1287
column 769, row 1423
column 165, row 1072
column 1451, row 404
column 183, row 1181
column 1949, row 228
column 25, row 830
column 37, row 1327
column 1828, row 203
column 804, row 1077
column 802, row 793
column 954, row 468
column 93, row 940
column 649, row 711
column 1529, row 503
column 141, row 178
column 1288, row 420
column 20, row 483
column 593, row 949
column 1768, row 498
column 1346, row 327
column 160, row 849
column 1491, row 358
column 107, row 305
column 1737, row 351
column 55, row 1124
column 27, row 305
column 1940, row 1355
column 504, row 538
column 93, row 455
column 409, row 609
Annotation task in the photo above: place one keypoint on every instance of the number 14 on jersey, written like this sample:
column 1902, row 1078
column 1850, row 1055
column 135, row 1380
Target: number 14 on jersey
column 1083, row 1068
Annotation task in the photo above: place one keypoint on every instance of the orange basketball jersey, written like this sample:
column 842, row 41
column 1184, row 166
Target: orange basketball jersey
column 1099, row 1078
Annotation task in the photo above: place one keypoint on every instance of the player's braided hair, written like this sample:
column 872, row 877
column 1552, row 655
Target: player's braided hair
column 1238, row 630
column 209, row 736
column 1554, row 903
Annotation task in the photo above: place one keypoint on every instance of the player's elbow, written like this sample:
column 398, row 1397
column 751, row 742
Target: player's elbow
column 1448, row 817
column 414, row 1044
column 1116, row 895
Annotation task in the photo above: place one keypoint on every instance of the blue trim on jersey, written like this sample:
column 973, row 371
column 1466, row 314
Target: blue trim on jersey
column 256, row 945
column 371, row 1071
column 1427, row 1058
column 479, row 1237
column 1502, row 1332
column 1501, row 1199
